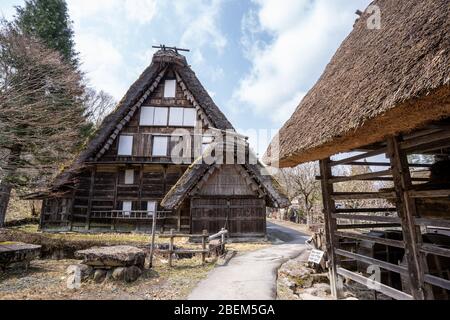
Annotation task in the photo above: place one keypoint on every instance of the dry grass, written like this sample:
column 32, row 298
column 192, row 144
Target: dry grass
column 46, row 280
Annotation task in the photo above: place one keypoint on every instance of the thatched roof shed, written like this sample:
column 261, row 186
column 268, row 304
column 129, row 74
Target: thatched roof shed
column 274, row 194
column 379, row 83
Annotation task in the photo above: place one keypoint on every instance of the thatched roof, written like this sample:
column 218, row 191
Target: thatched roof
column 275, row 196
column 379, row 83
column 135, row 97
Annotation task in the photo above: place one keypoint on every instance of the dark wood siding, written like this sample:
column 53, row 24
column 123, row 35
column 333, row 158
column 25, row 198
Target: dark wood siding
column 241, row 216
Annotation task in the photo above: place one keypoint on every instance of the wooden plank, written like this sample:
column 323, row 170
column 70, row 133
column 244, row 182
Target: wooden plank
column 432, row 223
column 429, row 194
column 365, row 210
column 367, row 218
column 371, row 261
column 364, row 237
column 438, row 282
column 407, row 211
column 359, row 157
column 433, row 249
column 390, row 292
column 386, row 164
column 409, row 144
column 330, row 224
column 361, row 177
column 362, row 195
column 368, row 226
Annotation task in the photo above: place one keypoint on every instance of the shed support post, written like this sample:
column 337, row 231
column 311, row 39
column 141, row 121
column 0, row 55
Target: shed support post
column 330, row 225
column 407, row 211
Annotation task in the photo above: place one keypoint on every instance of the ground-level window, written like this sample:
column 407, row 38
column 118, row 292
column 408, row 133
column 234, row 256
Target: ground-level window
column 129, row 176
column 170, row 88
column 125, row 146
column 127, row 207
column 152, row 207
column 160, row 146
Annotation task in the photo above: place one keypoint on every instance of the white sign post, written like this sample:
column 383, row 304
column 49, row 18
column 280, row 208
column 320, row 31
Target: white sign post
column 316, row 256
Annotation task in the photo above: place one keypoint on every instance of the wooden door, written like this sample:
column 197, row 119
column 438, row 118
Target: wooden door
column 241, row 216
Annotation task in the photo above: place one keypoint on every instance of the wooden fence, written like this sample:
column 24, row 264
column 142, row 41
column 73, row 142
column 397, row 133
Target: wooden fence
column 205, row 241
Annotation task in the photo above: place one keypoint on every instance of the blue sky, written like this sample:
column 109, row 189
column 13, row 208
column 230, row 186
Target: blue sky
column 257, row 58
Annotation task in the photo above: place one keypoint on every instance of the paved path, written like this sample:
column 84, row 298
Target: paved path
column 253, row 275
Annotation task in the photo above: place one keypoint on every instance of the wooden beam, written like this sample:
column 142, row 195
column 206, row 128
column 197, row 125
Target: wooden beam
column 409, row 144
column 361, row 177
column 368, row 226
column 362, row 195
column 367, row 218
column 432, row 223
column 390, row 292
column 429, row 194
column 433, row 249
column 91, row 195
column 358, row 157
column 416, row 260
column 330, row 224
column 438, row 282
column 365, row 237
column 385, row 164
column 365, row 210
column 371, row 261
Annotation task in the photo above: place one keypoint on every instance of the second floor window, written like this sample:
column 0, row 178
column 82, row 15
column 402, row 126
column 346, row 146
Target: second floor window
column 160, row 146
column 125, row 146
column 164, row 116
column 170, row 89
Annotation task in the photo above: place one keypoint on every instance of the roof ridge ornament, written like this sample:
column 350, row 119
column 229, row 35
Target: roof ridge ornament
column 166, row 48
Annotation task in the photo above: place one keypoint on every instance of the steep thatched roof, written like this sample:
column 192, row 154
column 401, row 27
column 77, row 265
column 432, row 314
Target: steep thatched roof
column 135, row 97
column 198, row 170
column 379, row 83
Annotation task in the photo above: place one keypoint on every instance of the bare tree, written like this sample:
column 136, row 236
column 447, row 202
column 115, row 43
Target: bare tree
column 41, row 112
column 300, row 183
column 98, row 106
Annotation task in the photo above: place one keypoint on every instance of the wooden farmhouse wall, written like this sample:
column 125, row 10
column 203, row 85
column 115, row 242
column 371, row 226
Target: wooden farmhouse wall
column 226, row 200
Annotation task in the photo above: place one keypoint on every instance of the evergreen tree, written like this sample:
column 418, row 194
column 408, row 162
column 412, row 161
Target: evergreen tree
column 49, row 21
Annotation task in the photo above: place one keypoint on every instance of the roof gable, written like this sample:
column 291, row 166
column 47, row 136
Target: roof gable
column 135, row 97
column 199, row 173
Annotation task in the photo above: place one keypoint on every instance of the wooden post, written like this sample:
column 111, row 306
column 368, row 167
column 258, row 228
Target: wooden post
column 91, row 194
column 330, row 224
column 152, row 249
column 172, row 231
column 205, row 235
column 223, row 239
column 406, row 211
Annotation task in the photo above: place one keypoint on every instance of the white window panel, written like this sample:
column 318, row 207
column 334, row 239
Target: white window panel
column 176, row 117
column 147, row 116
column 160, row 145
column 170, row 89
column 127, row 207
column 125, row 146
column 190, row 117
column 161, row 116
column 129, row 177
column 152, row 207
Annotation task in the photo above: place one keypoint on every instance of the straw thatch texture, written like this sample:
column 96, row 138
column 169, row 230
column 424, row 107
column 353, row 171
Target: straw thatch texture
column 134, row 98
column 275, row 196
column 379, row 83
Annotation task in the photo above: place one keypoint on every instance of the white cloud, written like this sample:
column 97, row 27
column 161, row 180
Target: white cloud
column 304, row 35
column 102, row 63
column 200, row 19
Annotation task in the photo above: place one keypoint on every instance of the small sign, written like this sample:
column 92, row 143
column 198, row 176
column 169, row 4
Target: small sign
column 316, row 256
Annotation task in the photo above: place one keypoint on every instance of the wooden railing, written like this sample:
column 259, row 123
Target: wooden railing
column 205, row 241
column 129, row 215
